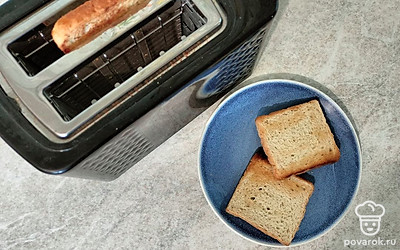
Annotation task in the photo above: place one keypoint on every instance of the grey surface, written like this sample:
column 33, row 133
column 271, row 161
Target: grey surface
column 348, row 48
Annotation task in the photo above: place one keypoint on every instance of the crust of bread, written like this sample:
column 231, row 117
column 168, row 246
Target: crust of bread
column 262, row 135
column 89, row 20
column 283, row 242
column 304, row 164
column 262, row 169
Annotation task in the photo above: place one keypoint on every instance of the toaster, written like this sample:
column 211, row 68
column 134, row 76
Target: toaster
column 95, row 112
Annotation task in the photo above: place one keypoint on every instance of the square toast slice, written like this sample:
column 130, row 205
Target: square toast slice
column 297, row 139
column 275, row 207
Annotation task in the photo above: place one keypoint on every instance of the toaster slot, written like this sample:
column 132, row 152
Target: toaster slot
column 126, row 56
column 36, row 50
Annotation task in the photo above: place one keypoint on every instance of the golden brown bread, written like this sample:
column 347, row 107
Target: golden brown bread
column 91, row 19
column 275, row 207
column 297, row 139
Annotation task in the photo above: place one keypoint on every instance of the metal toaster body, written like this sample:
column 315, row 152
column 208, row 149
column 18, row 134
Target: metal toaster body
column 95, row 112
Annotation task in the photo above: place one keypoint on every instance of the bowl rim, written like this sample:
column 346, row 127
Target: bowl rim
column 237, row 92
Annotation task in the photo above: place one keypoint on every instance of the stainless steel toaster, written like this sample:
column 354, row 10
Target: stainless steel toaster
column 95, row 112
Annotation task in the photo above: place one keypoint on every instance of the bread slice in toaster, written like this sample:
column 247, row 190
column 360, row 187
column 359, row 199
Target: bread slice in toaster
column 91, row 19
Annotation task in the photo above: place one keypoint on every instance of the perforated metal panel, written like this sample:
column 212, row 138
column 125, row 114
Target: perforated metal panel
column 233, row 69
column 114, row 158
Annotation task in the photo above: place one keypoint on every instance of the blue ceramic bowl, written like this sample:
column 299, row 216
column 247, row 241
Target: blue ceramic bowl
column 230, row 139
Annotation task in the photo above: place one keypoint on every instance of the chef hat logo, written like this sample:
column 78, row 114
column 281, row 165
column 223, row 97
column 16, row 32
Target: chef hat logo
column 370, row 215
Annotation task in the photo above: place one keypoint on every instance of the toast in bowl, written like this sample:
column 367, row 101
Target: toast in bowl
column 297, row 139
column 275, row 207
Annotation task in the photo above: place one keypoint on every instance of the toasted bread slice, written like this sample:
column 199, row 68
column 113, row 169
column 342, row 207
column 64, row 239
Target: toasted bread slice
column 297, row 139
column 89, row 20
column 275, row 207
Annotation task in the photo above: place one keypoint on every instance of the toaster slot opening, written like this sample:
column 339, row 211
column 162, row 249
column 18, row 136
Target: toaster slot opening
column 36, row 50
column 123, row 58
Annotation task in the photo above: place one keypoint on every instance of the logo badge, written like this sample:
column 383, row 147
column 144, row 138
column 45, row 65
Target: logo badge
column 370, row 215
